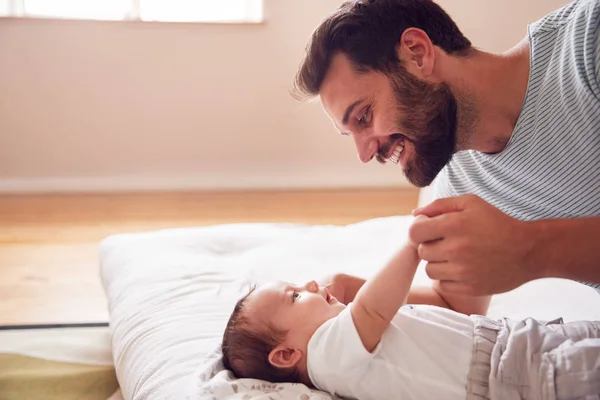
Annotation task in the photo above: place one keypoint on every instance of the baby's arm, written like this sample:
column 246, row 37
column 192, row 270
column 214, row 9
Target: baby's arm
column 342, row 286
column 345, row 287
column 380, row 298
column 463, row 304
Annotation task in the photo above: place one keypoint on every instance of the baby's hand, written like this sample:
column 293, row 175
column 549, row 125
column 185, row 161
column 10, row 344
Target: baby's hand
column 335, row 284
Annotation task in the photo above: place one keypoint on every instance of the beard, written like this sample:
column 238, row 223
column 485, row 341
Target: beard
column 429, row 116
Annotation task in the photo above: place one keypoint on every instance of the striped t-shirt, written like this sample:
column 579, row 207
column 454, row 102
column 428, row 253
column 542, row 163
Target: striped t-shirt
column 550, row 167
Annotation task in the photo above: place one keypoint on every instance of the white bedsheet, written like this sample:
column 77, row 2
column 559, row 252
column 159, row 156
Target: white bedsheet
column 170, row 294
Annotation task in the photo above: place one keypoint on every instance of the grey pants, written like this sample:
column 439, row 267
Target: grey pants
column 535, row 360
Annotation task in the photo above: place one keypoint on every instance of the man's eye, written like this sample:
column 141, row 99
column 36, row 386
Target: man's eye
column 295, row 295
column 363, row 119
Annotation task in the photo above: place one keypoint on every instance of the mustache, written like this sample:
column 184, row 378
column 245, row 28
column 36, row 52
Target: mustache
column 387, row 146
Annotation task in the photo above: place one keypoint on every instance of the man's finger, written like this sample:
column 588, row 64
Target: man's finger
column 428, row 229
column 459, row 288
column 443, row 206
column 433, row 251
column 439, row 271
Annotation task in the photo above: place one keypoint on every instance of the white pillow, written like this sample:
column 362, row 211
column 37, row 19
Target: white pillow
column 171, row 292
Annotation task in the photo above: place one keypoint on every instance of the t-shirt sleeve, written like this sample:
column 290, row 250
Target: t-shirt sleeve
column 336, row 357
column 595, row 28
column 442, row 186
column 597, row 51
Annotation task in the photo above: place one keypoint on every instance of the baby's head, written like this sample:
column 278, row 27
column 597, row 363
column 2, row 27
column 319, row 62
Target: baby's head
column 269, row 329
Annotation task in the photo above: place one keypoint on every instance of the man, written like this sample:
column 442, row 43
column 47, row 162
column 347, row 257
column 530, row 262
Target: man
column 513, row 139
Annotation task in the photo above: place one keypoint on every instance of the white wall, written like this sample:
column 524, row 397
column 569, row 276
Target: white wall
column 124, row 106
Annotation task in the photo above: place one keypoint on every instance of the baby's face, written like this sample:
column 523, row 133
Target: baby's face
column 299, row 310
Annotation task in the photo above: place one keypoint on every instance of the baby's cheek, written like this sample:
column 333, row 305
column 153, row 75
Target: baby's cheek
column 315, row 307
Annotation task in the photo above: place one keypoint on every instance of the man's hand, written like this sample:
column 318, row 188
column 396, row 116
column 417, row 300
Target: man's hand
column 472, row 248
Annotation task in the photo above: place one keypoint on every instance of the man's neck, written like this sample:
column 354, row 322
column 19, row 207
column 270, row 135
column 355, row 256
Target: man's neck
column 496, row 86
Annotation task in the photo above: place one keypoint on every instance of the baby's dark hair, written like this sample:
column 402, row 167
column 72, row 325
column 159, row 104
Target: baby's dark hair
column 247, row 344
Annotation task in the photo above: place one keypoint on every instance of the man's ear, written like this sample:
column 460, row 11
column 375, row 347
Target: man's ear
column 417, row 53
column 284, row 357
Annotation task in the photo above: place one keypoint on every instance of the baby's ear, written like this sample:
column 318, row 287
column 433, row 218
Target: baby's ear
column 284, row 357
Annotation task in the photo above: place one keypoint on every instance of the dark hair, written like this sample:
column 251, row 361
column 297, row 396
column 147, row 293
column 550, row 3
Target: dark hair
column 247, row 344
column 368, row 33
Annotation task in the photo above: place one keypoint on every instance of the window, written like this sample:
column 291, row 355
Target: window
column 144, row 10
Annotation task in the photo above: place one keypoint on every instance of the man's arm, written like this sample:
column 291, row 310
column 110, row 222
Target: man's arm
column 567, row 248
column 379, row 299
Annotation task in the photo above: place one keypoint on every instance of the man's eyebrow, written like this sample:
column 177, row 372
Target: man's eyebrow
column 349, row 110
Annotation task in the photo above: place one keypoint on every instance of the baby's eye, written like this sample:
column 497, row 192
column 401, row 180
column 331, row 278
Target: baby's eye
column 295, row 295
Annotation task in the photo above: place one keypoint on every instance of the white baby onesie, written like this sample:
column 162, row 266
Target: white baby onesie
column 425, row 353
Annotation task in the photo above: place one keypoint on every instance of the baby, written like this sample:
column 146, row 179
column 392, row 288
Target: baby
column 368, row 345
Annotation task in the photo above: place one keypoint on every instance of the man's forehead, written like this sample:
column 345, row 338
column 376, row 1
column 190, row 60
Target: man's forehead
column 337, row 86
column 341, row 88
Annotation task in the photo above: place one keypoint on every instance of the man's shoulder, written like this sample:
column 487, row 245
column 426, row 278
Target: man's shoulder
column 452, row 176
column 577, row 11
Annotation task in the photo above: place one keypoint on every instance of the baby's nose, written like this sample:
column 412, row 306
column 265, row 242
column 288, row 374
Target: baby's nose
column 312, row 286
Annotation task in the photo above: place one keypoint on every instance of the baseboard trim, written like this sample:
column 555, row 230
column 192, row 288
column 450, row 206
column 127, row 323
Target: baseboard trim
column 53, row 326
column 196, row 183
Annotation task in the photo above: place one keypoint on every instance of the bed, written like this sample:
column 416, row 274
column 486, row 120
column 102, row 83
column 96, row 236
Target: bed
column 171, row 292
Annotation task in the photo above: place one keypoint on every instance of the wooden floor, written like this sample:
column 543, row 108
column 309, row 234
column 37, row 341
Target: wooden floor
column 49, row 243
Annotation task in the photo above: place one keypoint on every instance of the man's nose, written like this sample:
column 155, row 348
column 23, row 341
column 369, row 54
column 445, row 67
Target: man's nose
column 366, row 147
